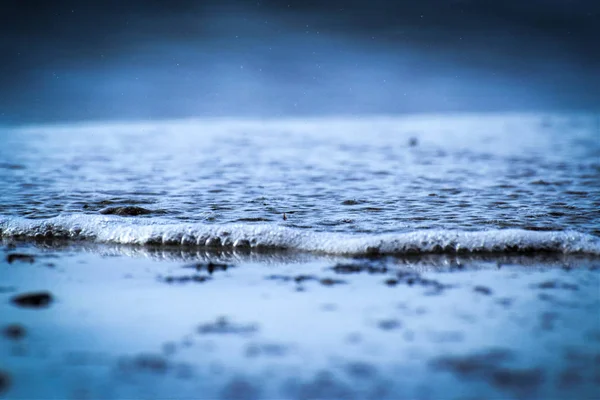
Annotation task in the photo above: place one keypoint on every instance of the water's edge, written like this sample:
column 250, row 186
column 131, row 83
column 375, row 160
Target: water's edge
column 264, row 237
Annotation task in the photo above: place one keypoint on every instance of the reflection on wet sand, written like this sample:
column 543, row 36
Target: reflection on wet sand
column 123, row 321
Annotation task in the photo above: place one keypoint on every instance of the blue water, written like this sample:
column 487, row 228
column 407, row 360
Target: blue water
column 432, row 183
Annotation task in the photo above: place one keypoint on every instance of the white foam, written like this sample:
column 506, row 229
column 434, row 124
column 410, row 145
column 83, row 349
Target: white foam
column 118, row 230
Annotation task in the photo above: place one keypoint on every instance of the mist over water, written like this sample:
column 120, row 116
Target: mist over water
column 109, row 61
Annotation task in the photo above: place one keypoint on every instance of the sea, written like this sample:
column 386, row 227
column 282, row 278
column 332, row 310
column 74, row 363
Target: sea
column 377, row 185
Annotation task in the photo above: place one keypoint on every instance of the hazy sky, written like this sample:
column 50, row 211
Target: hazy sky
column 74, row 60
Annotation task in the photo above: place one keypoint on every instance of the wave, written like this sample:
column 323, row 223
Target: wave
column 156, row 232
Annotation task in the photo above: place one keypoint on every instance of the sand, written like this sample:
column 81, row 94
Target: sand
column 91, row 321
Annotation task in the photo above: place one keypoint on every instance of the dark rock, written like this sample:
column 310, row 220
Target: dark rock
column 32, row 300
column 391, row 282
column 388, row 324
column 483, row 290
column 26, row 258
column 14, row 331
column 126, row 211
column 413, row 142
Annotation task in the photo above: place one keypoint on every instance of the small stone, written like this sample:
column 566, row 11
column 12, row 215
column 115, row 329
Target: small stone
column 388, row 324
column 331, row 282
column 26, row 258
column 483, row 290
column 126, row 211
column 302, row 278
column 32, row 300
column 350, row 202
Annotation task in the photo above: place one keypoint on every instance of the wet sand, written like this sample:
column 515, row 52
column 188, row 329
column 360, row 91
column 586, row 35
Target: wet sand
column 91, row 321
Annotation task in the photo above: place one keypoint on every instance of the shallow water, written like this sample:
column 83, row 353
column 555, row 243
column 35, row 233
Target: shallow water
column 434, row 177
column 420, row 257
column 142, row 322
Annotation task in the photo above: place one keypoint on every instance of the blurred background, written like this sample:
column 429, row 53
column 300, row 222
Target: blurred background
column 130, row 60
